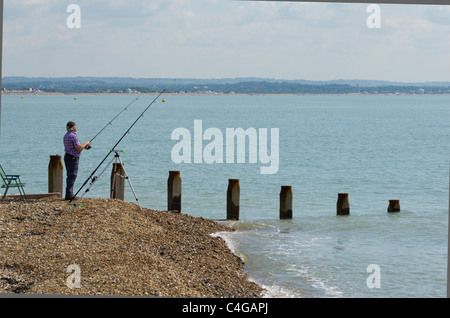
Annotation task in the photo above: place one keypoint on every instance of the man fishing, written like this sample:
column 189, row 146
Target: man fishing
column 113, row 149
column 72, row 148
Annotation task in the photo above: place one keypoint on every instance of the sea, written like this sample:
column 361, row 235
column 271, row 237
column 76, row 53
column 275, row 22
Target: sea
column 376, row 148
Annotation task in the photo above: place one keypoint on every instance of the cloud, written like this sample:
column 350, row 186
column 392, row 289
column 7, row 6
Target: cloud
column 221, row 38
column 439, row 15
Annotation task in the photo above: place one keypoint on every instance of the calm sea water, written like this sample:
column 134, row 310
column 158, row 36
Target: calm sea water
column 375, row 148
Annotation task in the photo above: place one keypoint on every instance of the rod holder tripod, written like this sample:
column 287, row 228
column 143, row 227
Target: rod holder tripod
column 117, row 188
column 118, row 164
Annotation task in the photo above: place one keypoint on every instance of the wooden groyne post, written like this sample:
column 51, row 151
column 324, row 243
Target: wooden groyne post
column 394, row 206
column 117, row 182
column 55, row 175
column 233, row 199
column 286, row 202
column 174, row 191
column 343, row 204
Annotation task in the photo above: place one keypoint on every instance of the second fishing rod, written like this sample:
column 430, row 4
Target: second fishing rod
column 110, row 122
column 113, row 149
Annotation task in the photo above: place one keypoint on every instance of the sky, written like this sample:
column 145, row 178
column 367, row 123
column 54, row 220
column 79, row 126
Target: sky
column 226, row 39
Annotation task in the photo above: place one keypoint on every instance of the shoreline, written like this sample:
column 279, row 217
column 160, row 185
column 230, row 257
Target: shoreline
column 120, row 250
column 216, row 94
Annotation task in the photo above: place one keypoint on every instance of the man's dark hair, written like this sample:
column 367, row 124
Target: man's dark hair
column 70, row 125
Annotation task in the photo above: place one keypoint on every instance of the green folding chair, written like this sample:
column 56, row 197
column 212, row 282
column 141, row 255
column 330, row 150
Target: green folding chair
column 12, row 181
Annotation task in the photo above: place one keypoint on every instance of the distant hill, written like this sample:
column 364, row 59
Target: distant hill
column 247, row 85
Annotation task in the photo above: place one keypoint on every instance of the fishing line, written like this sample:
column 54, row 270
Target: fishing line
column 113, row 149
column 110, row 122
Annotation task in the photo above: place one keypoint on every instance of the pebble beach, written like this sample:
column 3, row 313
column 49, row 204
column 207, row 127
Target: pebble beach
column 115, row 249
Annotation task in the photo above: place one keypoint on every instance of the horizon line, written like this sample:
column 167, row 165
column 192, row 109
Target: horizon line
column 224, row 78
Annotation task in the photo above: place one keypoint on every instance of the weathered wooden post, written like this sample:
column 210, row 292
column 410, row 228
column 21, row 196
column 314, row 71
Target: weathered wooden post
column 55, row 175
column 394, row 206
column 233, row 199
column 174, row 191
column 117, row 182
column 286, row 202
column 343, row 205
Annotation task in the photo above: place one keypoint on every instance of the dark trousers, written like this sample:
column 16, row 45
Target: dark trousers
column 71, row 163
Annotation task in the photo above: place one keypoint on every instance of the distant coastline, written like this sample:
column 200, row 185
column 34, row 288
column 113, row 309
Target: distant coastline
column 238, row 86
column 219, row 94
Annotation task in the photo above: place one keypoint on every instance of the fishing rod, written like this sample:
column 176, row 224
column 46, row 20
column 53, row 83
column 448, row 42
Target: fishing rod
column 94, row 179
column 110, row 122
